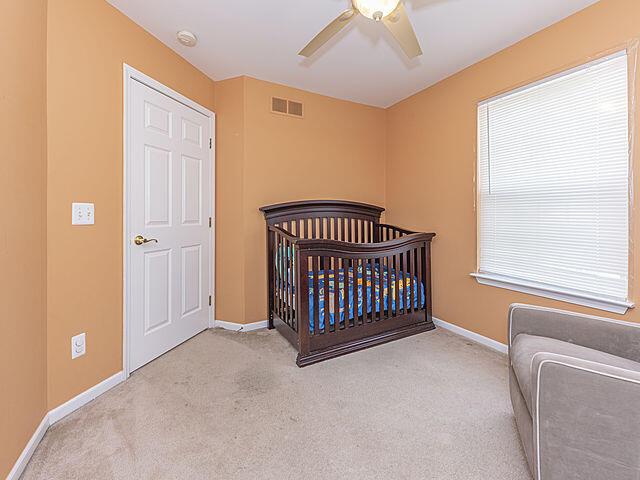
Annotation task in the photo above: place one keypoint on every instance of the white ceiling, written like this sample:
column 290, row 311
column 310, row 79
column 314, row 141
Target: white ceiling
column 261, row 38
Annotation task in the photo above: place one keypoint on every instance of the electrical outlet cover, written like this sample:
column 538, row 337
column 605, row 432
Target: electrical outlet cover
column 78, row 345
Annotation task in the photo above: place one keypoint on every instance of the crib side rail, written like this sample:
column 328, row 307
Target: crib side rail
column 281, row 276
column 387, row 232
column 389, row 283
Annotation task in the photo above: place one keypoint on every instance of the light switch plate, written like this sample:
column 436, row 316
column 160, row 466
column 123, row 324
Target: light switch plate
column 82, row 214
column 78, row 345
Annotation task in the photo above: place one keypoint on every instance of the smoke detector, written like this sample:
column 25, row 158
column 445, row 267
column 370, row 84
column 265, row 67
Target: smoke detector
column 186, row 38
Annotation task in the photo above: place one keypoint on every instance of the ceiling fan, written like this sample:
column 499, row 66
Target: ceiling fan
column 390, row 12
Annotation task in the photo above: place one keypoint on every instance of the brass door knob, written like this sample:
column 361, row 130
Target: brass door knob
column 140, row 240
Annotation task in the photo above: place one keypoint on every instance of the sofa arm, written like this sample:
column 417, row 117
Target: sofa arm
column 611, row 336
column 586, row 419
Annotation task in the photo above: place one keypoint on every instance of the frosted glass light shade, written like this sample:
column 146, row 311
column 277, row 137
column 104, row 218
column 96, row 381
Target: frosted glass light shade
column 376, row 9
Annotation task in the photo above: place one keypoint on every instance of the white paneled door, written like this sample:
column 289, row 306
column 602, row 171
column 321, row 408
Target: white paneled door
column 169, row 204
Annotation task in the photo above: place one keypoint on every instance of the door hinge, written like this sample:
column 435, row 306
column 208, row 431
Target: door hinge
column 209, row 300
column 210, row 143
column 209, row 222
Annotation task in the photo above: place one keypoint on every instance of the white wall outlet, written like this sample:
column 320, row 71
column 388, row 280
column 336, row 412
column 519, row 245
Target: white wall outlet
column 78, row 345
column 82, row 214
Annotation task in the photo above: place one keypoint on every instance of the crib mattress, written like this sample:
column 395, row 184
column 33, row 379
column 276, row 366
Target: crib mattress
column 357, row 297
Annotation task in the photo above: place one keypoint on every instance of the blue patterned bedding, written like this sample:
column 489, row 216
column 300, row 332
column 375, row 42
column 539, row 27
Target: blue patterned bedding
column 285, row 258
column 403, row 294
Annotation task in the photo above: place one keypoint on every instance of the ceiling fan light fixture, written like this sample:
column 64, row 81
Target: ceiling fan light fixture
column 376, row 9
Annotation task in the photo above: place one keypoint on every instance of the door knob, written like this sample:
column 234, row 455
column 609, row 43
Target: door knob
column 140, row 240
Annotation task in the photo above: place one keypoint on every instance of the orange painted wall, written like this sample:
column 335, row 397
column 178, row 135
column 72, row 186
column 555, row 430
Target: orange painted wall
column 230, row 135
column 336, row 151
column 23, row 400
column 431, row 158
column 416, row 158
column 88, row 41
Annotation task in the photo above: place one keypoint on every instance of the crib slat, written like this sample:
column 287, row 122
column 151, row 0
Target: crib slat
column 290, row 276
column 287, row 281
column 327, row 313
column 412, row 279
column 316, row 295
column 386, row 286
column 293, row 267
column 420, row 279
column 381, row 287
column 282, row 278
column 371, row 291
column 388, row 261
column 427, row 283
column 374, row 296
column 403, row 266
column 396, row 287
column 367, row 269
column 345, row 267
column 380, row 290
column 336, row 290
column 276, row 271
column 356, row 292
column 372, row 299
column 405, row 276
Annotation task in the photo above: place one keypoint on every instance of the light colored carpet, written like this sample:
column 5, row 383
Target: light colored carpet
column 231, row 405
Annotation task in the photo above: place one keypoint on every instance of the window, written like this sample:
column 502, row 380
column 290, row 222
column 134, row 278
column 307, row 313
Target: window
column 553, row 187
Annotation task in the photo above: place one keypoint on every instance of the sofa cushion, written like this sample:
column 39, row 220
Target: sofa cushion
column 524, row 347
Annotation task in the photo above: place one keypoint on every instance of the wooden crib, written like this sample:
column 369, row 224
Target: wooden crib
column 377, row 278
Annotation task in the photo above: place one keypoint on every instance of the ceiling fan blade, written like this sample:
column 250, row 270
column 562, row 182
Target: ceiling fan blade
column 329, row 31
column 400, row 26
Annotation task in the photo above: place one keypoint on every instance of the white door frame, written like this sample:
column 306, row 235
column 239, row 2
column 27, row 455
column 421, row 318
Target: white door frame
column 133, row 75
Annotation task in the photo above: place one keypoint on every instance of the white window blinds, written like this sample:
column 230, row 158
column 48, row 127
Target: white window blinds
column 553, row 183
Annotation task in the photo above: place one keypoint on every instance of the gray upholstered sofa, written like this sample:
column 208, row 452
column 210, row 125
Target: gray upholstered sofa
column 575, row 389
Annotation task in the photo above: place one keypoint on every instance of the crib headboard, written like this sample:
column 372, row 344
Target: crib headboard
column 329, row 219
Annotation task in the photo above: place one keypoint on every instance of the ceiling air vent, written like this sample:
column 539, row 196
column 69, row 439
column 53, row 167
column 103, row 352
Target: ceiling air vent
column 290, row 108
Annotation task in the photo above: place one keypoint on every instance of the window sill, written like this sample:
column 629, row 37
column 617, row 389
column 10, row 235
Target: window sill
column 564, row 295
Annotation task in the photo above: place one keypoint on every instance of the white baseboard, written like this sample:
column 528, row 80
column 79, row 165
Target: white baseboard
column 237, row 327
column 26, row 454
column 58, row 414
column 473, row 336
column 85, row 397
